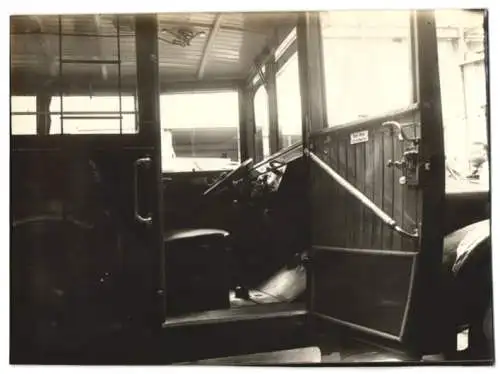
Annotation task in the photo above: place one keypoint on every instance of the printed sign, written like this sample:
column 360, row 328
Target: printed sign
column 359, row 137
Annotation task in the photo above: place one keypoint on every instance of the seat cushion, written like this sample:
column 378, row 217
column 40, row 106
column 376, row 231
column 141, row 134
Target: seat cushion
column 202, row 234
column 196, row 270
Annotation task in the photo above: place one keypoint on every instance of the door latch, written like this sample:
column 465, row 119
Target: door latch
column 409, row 163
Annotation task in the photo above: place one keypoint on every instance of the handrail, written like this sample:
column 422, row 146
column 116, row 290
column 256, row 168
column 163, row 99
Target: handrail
column 389, row 221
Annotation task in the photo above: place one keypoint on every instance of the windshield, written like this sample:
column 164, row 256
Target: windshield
column 171, row 163
column 200, row 131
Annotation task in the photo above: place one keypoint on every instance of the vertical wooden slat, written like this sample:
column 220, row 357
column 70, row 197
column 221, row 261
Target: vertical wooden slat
column 387, row 186
column 369, row 190
column 378, row 185
column 322, row 189
column 351, row 211
column 334, row 162
column 332, row 193
column 360, row 184
column 397, row 201
column 343, row 201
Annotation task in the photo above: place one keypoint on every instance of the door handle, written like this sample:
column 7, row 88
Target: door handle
column 137, row 163
column 410, row 161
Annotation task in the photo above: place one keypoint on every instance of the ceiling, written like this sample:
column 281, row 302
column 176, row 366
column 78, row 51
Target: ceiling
column 224, row 48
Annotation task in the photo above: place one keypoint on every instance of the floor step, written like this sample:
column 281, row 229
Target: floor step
column 253, row 312
column 307, row 355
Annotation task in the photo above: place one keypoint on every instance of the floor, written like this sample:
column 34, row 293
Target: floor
column 354, row 354
column 272, row 293
column 306, row 356
column 253, row 312
column 285, row 286
column 268, row 299
column 348, row 353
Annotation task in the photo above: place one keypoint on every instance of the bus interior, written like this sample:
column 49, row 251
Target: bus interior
column 182, row 180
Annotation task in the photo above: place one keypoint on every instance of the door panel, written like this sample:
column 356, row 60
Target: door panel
column 74, row 225
column 366, row 170
column 363, row 269
column 367, row 289
column 376, row 237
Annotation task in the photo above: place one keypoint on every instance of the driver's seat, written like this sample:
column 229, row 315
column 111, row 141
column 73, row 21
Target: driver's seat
column 197, row 276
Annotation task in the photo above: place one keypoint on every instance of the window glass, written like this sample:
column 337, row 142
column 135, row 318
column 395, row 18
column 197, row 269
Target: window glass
column 289, row 103
column 200, row 131
column 89, row 86
column 367, row 62
column 463, row 97
column 93, row 115
column 23, row 115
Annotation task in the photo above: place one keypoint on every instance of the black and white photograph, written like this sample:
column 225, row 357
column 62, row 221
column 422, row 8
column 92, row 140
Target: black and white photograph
column 250, row 188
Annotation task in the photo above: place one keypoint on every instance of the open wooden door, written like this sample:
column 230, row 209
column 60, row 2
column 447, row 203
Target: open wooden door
column 376, row 193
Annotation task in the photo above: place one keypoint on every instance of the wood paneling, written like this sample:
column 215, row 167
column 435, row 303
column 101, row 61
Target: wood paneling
column 340, row 219
column 370, row 289
column 362, row 269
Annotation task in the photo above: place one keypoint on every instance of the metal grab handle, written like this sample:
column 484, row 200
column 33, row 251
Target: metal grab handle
column 388, row 220
column 138, row 216
column 401, row 133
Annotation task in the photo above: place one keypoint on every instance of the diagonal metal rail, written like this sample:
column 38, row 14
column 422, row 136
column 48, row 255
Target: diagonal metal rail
column 388, row 220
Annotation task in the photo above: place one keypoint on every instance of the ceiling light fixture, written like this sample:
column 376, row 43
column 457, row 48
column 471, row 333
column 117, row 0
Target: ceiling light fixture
column 181, row 37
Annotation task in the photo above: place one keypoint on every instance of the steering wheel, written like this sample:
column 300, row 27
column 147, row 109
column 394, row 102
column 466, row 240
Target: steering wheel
column 230, row 177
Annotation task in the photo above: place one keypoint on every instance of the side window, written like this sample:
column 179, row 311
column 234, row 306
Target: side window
column 200, row 131
column 289, row 103
column 94, row 66
column 261, row 115
column 93, row 115
column 367, row 62
column 463, row 97
column 23, row 115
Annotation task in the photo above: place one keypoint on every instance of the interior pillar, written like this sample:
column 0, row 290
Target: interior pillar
column 274, row 132
column 148, row 107
column 148, row 82
column 43, row 100
column 311, row 73
column 247, row 123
